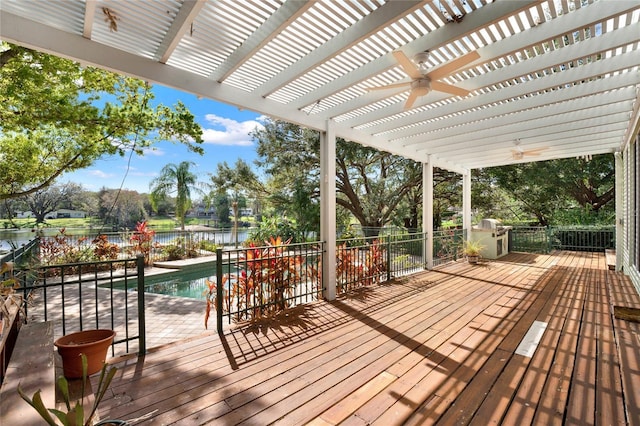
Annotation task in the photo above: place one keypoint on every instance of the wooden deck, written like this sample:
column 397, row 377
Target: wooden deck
column 436, row 347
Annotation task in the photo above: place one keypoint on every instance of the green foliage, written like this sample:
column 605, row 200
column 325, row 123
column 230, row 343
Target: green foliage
column 207, row 245
column 562, row 191
column 374, row 187
column 584, row 216
column 272, row 228
column 472, row 248
column 122, row 208
column 180, row 248
column 351, row 237
column 58, row 116
column 448, row 243
column 173, row 252
column 77, row 414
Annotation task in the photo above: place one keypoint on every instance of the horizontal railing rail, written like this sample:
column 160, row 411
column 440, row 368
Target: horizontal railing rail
column 92, row 295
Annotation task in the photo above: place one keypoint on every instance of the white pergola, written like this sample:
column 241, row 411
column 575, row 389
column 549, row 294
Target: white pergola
column 558, row 78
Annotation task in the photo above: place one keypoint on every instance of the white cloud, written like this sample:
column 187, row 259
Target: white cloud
column 154, row 151
column 225, row 131
column 100, row 174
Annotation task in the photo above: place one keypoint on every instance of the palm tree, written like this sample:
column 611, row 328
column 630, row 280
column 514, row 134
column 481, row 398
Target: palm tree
column 176, row 179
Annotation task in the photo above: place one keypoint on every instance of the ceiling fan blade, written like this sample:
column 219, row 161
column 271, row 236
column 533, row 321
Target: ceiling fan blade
column 453, row 66
column 411, row 99
column 447, row 88
column 407, row 64
column 390, row 86
column 534, row 151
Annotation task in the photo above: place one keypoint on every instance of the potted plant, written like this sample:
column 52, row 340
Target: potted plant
column 91, row 343
column 75, row 414
column 471, row 250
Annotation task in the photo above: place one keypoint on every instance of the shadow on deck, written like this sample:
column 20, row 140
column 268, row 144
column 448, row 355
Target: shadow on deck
column 436, row 347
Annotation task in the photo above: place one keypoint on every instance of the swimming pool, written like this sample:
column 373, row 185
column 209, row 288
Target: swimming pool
column 189, row 284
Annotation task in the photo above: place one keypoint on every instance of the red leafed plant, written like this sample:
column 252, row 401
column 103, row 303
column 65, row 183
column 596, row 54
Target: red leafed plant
column 63, row 248
column 360, row 266
column 142, row 241
column 212, row 296
column 105, row 250
column 265, row 284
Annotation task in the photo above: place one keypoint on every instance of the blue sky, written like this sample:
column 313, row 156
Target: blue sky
column 226, row 138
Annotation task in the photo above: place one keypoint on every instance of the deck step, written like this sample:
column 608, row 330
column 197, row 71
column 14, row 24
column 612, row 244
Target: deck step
column 611, row 259
column 32, row 366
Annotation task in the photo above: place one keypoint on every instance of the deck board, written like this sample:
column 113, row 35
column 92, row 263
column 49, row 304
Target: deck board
column 436, row 347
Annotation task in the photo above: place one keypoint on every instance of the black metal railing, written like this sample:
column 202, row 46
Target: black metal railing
column 447, row 245
column 22, row 255
column 79, row 296
column 370, row 260
column 260, row 281
column 540, row 239
column 529, row 239
column 592, row 238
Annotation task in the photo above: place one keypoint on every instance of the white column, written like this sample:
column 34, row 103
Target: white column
column 328, row 209
column 427, row 213
column 620, row 208
column 466, row 202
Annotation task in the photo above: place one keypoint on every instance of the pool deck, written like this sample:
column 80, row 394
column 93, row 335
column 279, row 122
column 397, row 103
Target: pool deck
column 168, row 319
column 161, row 267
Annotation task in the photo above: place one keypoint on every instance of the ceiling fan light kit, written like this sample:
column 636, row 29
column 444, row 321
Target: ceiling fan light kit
column 423, row 82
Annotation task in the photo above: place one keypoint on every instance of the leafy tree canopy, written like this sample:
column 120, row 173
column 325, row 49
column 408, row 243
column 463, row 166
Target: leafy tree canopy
column 545, row 190
column 57, row 116
column 370, row 184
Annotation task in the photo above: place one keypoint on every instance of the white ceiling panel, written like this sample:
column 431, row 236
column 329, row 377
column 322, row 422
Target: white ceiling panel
column 559, row 77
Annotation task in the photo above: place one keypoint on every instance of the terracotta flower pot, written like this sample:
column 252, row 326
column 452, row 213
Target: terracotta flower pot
column 93, row 343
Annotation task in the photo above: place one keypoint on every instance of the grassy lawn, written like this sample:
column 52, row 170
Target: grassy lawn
column 53, row 223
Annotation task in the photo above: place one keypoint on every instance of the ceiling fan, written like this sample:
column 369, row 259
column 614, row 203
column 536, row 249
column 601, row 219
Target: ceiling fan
column 423, row 82
column 518, row 153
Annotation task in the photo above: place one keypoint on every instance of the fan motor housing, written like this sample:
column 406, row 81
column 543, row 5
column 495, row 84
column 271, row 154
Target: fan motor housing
column 421, row 86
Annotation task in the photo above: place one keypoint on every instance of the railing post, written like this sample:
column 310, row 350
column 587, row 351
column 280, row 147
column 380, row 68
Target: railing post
column 389, row 258
column 219, row 290
column 142, row 338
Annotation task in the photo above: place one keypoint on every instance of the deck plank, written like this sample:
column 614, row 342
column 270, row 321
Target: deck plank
column 437, row 347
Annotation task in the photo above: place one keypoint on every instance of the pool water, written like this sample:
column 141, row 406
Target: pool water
column 184, row 284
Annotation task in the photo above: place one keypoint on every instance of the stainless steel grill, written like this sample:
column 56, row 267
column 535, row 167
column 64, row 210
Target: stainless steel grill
column 493, row 225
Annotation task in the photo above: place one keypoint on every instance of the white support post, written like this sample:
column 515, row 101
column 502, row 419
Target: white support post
column 427, row 214
column 466, row 203
column 328, row 209
column 620, row 208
